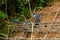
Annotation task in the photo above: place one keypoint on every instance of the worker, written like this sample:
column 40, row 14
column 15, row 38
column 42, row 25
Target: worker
column 37, row 19
column 15, row 21
column 25, row 23
column 25, row 26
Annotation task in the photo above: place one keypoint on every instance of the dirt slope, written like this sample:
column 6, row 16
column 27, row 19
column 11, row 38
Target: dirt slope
column 48, row 13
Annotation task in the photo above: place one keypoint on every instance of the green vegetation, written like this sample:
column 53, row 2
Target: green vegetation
column 2, row 24
column 2, row 15
column 21, row 7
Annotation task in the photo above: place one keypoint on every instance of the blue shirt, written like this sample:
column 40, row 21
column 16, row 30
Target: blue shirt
column 16, row 20
column 37, row 16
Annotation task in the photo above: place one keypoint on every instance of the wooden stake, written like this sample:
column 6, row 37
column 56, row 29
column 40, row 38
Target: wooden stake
column 32, row 31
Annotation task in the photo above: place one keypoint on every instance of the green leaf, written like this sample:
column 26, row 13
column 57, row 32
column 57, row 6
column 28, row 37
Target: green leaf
column 2, row 15
column 3, row 35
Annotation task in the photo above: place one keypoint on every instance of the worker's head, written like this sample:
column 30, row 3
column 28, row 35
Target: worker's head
column 35, row 12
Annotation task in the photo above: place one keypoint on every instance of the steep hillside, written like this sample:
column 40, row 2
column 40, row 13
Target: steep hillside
column 48, row 13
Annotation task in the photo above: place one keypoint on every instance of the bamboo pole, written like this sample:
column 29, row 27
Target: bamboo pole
column 32, row 31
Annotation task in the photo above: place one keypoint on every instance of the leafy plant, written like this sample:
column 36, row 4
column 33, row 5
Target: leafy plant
column 2, row 15
column 3, row 35
column 2, row 25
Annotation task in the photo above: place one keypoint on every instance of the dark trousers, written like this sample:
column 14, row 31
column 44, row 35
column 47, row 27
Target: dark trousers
column 36, row 23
